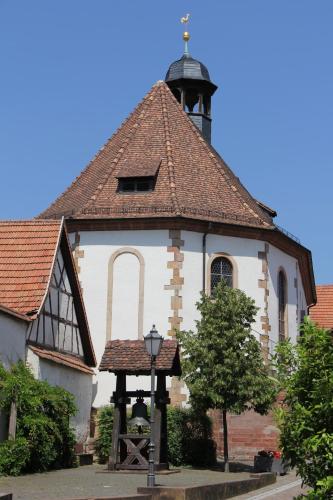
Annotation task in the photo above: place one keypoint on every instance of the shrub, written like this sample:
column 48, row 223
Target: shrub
column 43, row 415
column 176, row 439
column 105, row 425
column 14, row 455
column 189, row 438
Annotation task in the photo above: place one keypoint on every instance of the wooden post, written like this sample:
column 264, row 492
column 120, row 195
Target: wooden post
column 161, row 437
column 119, row 422
column 12, row 421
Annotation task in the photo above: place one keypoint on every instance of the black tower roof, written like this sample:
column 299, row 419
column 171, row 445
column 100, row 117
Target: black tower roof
column 188, row 68
column 186, row 71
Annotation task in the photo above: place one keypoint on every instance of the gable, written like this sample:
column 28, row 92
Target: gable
column 57, row 326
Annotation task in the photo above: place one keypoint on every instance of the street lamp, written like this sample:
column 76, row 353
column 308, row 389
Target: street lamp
column 153, row 344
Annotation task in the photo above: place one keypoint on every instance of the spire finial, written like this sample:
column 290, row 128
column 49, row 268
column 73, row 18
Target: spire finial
column 186, row 35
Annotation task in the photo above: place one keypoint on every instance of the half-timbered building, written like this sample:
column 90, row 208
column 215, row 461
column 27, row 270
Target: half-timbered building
column 42, row 316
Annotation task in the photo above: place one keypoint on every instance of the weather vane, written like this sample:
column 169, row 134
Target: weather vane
column 186, row 35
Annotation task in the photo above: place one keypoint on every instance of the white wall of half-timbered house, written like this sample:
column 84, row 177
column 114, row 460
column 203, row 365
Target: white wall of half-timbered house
column 12, row 349
column 12, row 339
column 56, row 326
column 76, row 382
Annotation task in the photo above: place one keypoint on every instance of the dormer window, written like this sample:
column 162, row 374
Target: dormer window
column 136, row 184
column 138, row 178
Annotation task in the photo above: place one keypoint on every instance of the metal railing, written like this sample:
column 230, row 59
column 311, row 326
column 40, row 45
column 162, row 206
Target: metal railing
column 287, row 233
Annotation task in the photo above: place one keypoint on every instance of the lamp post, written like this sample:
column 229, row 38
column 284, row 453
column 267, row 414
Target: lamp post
column 153, row 343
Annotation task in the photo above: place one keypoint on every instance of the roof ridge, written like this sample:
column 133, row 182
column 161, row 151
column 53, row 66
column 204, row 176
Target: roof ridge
column 99, row 152
column 212, row 155
column 168, row 148
column 124, row 145
column 29, row 221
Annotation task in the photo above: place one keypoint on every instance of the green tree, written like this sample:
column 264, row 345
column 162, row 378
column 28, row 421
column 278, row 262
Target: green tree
column 305, row 372
column 222, row 362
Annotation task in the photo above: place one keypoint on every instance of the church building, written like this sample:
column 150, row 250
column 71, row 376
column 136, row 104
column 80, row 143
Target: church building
column 157, row 217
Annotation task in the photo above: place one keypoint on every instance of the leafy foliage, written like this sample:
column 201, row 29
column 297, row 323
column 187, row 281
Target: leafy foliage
column 14, row 456
column 43, row 414
column 104, row 440
column 305, row 372
column 190, row 438
column 222, row 362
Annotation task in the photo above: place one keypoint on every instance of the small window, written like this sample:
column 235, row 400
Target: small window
column 136, row 184
column 221, row 268
column 282, row 294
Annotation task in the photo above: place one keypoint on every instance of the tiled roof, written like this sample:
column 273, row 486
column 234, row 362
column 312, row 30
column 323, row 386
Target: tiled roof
column 193, row 180
column 131, row 356
column 27, row 250
column 322, row 312
column 62, row 359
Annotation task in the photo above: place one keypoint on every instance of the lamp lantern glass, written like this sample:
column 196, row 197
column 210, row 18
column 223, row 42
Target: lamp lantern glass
column 153, row 342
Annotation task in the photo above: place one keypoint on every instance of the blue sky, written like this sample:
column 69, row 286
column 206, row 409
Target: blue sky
column 71, row 71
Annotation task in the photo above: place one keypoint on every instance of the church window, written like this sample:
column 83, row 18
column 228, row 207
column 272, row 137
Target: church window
column 221, row 268
column 136, row 184
column 282, row 295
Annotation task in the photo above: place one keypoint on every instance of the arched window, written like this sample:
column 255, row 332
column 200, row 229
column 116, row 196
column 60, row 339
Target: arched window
column 282, row 294
column 221, row 268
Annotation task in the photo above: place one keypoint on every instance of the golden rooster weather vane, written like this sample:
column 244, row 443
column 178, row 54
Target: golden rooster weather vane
column 186, row 36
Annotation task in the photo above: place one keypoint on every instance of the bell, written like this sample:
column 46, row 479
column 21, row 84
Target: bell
column 139, row 414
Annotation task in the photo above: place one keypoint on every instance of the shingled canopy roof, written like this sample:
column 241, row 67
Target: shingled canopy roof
column 322, row 312
column 192, row 181
column 130, row 356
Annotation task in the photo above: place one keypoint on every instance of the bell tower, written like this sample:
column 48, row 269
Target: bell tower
column 190, row 83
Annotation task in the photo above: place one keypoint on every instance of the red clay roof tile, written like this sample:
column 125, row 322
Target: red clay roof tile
column 62, row 359
column 131, row 356
column 322, row 312
column 27, row 250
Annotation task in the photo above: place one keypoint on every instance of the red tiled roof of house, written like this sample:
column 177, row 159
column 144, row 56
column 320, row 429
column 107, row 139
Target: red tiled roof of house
column 322, row 312
column 193, row 180
column 62, row 359
column 131, row 356
column 27, row 250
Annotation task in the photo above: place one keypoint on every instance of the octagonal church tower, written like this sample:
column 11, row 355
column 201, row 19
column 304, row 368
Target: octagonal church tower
column 158, row 216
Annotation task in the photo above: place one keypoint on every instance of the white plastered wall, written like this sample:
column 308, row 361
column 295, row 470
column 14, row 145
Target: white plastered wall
column 295, row 294
column 244, row 253
column 74, row 381
column 12, row 348
column 12, row 339
column 100, row 246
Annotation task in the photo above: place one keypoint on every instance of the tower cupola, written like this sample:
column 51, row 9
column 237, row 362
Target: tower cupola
column 190, row 83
